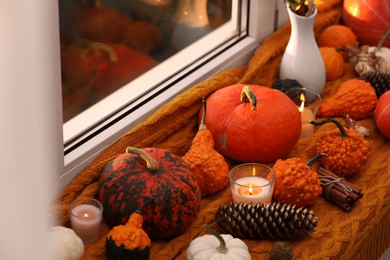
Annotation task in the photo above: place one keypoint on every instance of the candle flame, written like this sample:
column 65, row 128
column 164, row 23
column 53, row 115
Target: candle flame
column 353, row 9
column 302, row 98
column 250, row 190
column 85, row 216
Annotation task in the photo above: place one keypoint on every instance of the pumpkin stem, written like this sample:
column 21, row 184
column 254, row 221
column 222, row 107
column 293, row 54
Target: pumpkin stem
column 222, row 247
column 202, row 124
column 384, row 37
column 343, row 133
column 151, row 163
column 105, row 47
column 91, row 45
column 247, row 95
column 315, row 159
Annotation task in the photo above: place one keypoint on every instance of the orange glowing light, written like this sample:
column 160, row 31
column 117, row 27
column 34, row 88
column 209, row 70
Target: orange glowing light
column 354, row 10
column 320, row 2
column 303, row 99
column 249, row 189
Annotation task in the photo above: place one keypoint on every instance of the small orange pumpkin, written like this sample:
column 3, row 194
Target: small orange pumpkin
column 129, row 241
column 337, row 36
column 296, row 182
column 209, row 166
column 346, row 150
column 354, row 97
column 334, row 63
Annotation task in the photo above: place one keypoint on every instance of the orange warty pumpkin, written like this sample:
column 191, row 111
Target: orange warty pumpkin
column 252, row 123
column 354, row 97
column 296, row 183
column 334, row 63
column 128, row 241
column 209, row 167
column 346, row 150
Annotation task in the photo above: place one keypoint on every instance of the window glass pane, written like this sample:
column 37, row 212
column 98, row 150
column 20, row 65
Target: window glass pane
column 107, row 44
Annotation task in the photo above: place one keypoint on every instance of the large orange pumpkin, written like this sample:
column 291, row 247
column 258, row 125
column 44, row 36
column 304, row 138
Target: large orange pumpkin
column 382, row 114
column 252, row 123
column 368, row 19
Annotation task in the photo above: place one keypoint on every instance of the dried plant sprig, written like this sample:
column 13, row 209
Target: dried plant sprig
column 301, row 7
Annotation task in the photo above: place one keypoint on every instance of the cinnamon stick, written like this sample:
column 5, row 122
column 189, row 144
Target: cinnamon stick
column 344, row 206
column 349, row 194
column 339, row 191
column 338, row 195
column 340, row 202
column 355, row 189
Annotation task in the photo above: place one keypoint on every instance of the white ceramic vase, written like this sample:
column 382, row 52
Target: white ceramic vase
column 302, row 59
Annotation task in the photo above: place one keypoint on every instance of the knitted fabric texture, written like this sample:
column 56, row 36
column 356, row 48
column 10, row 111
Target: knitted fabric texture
column 360, row 234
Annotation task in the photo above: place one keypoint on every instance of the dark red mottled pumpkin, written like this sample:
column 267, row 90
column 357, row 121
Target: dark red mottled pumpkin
column 163, row 185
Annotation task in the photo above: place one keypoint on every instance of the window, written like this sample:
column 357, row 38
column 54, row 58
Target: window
column 231, row 41
column 107, row 44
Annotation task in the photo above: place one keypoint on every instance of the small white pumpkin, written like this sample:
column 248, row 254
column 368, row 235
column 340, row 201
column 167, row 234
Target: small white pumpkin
column 65, row 244
column 217, row 246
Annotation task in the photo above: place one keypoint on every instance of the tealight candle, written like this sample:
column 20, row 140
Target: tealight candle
column 252, row 189
column 252, row 183
column 301, row 96
column 306, row 115
column 85, row 217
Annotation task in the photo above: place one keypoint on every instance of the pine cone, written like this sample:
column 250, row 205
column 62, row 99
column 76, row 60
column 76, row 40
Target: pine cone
column 275, row 221
column 379, row 81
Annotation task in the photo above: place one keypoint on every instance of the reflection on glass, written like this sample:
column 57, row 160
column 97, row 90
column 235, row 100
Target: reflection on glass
column 106, row 44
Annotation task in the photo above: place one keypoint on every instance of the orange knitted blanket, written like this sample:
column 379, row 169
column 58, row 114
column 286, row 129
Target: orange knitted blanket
column 360, row 234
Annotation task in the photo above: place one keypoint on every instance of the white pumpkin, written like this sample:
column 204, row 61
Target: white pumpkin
column 216, row 246
column 64, row 244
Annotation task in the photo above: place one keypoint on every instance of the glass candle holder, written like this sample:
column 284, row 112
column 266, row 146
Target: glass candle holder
column 307, row 102
column 85, row 218
column 252, row 183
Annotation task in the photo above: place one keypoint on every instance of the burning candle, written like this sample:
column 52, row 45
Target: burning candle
column 252, row 189
column 85, row 217
column 252, row 183
column 306, row 115
column 307, row 102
